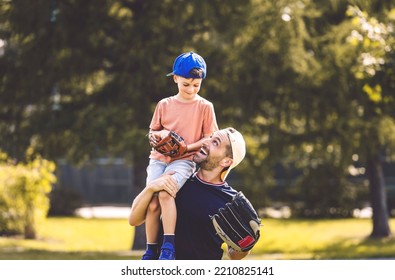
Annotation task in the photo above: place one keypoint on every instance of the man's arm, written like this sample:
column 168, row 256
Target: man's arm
column 140, row 203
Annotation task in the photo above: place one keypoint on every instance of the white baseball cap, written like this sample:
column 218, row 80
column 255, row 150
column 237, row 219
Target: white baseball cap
column 238, row 149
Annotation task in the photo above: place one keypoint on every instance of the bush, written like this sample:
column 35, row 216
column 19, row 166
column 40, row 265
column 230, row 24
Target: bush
column 24, row 190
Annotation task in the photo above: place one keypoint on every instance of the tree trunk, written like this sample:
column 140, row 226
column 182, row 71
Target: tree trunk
column 30, row 226
column 378, row 197
column 139, row 170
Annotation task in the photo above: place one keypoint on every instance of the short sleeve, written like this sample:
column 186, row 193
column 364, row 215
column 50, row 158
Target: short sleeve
column 156, row 123
column 210, row 121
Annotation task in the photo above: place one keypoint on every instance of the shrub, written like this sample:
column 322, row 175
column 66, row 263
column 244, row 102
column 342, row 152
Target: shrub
column 24, row 189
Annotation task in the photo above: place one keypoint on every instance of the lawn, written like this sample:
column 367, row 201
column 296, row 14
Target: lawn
column 321, row 239
column 73, row 238
column 111, row 239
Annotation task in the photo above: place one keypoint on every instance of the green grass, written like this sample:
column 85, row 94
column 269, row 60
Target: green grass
column 73, row 238
column 321, row 239
column 111, row 239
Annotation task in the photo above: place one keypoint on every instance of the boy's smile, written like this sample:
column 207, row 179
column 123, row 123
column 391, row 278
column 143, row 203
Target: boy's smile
column 187, row 88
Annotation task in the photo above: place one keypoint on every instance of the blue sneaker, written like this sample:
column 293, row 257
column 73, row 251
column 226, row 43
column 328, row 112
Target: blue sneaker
column 150, row 255
column 167, row 252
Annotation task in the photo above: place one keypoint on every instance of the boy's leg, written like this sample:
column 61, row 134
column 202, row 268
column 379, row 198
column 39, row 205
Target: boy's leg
column 152, row 219
column 169, row 212
column 169, row 217
column 184, row 170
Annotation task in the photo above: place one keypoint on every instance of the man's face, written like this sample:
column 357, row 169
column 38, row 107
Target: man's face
column 213, row 151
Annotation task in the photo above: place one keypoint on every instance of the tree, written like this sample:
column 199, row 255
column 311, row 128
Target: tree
column 93, row 72
column 300, row 97
column 375, row 44
column 80, row 80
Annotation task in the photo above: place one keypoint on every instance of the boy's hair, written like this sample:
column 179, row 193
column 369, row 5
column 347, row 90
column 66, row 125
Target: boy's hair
column 197, row 73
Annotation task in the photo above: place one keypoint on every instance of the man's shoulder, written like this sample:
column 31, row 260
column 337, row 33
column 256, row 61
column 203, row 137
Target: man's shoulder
column 229, row 189
column 223, row 188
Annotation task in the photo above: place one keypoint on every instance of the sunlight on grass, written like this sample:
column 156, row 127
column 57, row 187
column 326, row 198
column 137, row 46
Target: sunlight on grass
column 322, row 239
column 78, row 238
column 77, row 234
column 89, row 234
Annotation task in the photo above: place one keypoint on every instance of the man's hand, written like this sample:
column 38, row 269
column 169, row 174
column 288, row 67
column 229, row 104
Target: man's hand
column 164, row 183
column 235, row 255
column 140, row 204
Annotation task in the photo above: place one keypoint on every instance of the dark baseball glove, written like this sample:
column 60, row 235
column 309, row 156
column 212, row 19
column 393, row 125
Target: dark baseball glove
column 173, row 145
column 238, row 224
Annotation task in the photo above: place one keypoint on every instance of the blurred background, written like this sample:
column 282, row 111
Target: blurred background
column 310, row 84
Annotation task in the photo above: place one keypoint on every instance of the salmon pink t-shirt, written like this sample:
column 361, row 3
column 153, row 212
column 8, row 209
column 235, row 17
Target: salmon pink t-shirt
column 191, row 120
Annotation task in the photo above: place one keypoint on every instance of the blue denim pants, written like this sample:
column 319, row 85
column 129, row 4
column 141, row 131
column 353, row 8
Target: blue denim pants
column 183, row 170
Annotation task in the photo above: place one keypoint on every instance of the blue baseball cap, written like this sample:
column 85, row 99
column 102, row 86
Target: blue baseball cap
column 185, row 62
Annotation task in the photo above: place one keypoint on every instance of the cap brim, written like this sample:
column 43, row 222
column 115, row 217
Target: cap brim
column 170, row 74
column 225, row 173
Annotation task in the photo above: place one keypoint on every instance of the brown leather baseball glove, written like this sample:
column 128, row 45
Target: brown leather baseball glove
column 173, row 145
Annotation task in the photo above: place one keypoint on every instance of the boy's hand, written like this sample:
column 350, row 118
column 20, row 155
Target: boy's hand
column 155, row 136
column 154, row 139
column 172, row 145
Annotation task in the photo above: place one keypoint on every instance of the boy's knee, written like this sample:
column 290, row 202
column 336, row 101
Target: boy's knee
column 164, row 196
column 154, row 205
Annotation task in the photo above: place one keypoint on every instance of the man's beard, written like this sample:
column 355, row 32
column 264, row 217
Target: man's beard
column 208, row 164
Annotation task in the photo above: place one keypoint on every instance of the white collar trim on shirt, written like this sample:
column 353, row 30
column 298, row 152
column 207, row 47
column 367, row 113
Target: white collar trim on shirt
column 207, row 183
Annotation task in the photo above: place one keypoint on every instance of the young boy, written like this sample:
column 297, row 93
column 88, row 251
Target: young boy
column 192, row 117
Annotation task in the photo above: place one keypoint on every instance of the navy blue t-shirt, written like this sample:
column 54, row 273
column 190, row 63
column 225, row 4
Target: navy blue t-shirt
column 195, row 237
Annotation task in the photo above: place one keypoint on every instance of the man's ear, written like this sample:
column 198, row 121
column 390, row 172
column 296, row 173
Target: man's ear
column 226, row 162
column 175, row 78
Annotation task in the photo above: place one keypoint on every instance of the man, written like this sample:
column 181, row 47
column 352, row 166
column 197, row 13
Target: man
column 201, row 196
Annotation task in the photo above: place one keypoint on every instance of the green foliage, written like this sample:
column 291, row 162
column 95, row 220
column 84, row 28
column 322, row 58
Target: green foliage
column 374, row 41
column 309, row 82
column 324, row 192
column 24, row 190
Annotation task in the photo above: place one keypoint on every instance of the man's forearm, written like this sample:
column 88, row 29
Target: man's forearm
column 142, row 200
column 139, row 207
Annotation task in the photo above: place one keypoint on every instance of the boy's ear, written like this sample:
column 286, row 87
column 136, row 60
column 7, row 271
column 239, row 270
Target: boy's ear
column 175, row 78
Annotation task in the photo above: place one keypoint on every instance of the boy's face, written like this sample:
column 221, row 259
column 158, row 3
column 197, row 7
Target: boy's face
column 187, row 88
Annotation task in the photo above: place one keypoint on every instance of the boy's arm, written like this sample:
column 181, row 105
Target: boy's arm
column 140, row 203
column 197, row 145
